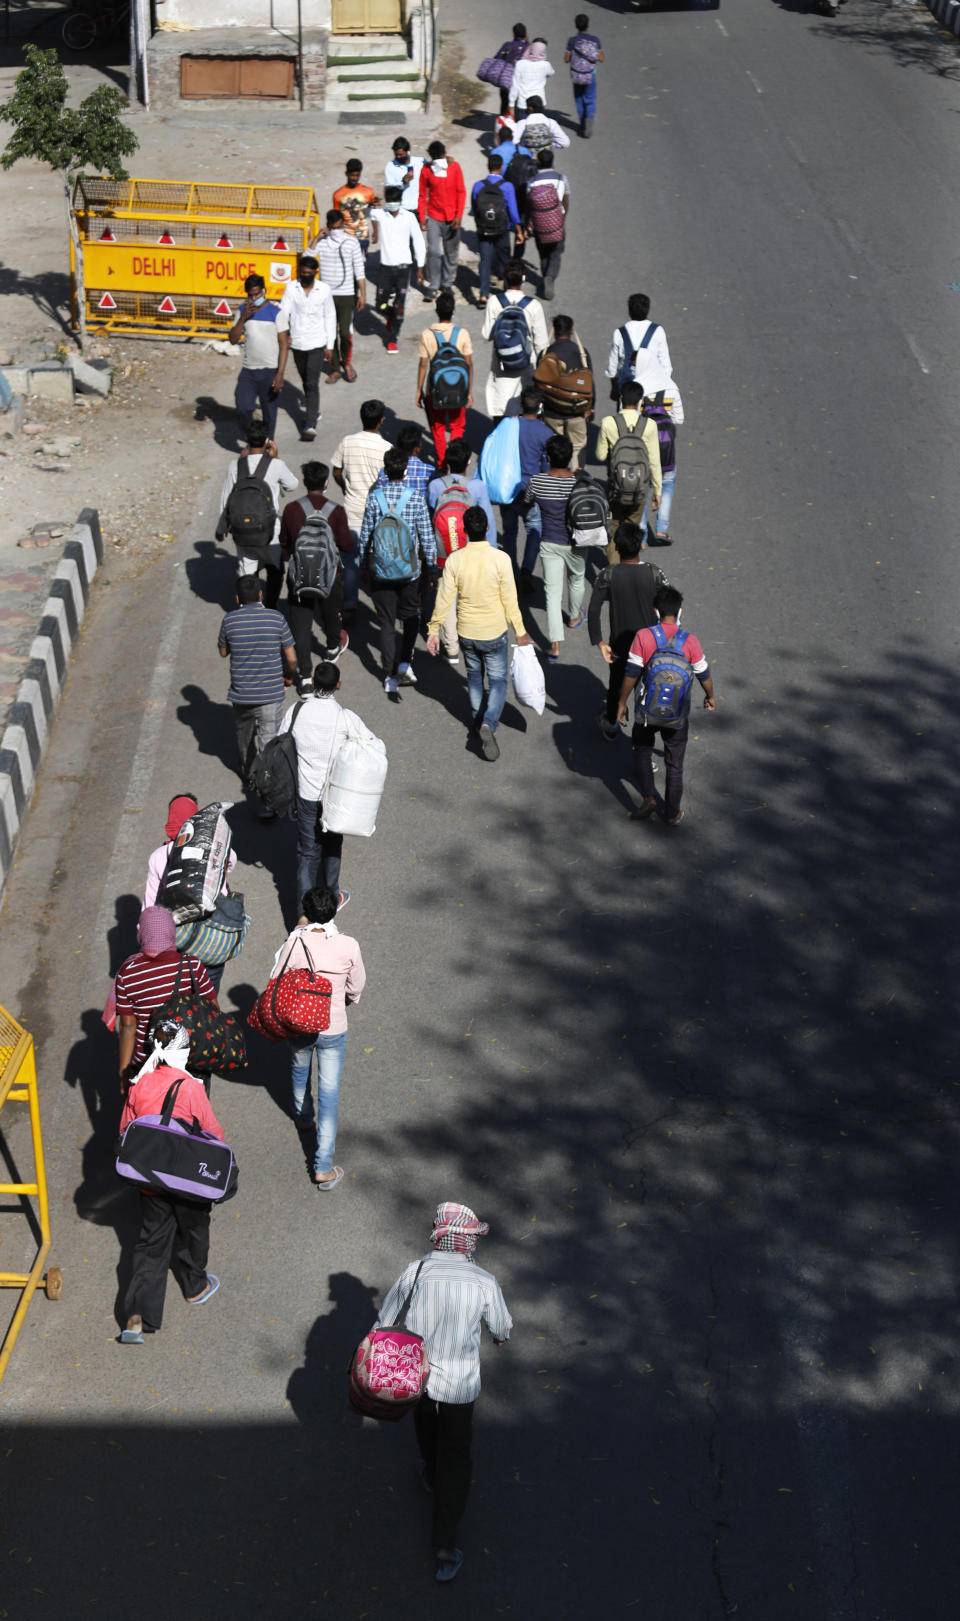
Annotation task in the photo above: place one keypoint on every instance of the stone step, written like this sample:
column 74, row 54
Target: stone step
column 365, row 47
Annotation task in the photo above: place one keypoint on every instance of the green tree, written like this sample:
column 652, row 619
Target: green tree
column 68, row 139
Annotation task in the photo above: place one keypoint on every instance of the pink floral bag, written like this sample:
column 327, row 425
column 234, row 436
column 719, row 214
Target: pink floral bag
column 389, row 1368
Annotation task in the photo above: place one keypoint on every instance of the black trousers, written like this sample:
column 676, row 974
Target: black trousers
column 170, row 1229
column 309, row 364
column 444, row 1431
column 393, row 600
column 392, row 285
column 344, row 304
column 620, row 648
column 323, row 611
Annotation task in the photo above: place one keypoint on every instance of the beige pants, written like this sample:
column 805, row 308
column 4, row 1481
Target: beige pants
column 574, row 429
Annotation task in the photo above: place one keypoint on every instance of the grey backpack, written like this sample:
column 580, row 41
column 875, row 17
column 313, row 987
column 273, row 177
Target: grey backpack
column 316, row 555
column 628, row 468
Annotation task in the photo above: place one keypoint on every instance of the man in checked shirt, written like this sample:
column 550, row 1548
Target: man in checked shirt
column 452, row 1300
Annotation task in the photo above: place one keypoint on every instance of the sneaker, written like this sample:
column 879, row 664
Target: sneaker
column 308, row 433
column 393, row 348
column 609, row 728
column 488, row 743
column 305, row 686
column 334, row 654
column 454, row 659
column 390, row 687
column 343, row 898
column 405, row 676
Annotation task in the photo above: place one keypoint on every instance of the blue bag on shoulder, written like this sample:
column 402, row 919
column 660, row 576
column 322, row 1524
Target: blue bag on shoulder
column 500, row 461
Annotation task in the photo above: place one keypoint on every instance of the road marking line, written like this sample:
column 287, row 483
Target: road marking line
column 917, row 354
column 847, row 234
column 721, row 28
column 757, row 87
column 796, row 150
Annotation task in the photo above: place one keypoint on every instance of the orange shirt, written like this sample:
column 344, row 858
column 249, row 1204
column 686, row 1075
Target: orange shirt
column 353, row 203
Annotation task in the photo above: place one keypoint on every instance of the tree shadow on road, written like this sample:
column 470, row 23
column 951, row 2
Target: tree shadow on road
column 49, row 291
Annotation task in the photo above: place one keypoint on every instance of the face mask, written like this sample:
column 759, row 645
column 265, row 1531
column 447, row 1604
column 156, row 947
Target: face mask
column 307, row 277
column 393, row 208
column 259, row 298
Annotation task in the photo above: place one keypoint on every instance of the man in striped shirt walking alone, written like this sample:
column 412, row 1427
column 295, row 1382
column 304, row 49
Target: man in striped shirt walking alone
column 452, row 1300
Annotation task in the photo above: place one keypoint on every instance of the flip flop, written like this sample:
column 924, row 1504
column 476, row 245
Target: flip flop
column 574, row 624
column 213, row 1284
column 131, row 1336
column 332, row 1182
column 448, row 1568
column 554, row 658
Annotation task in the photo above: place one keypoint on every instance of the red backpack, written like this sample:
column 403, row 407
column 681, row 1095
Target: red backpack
column 448, row 518
column 546, row 208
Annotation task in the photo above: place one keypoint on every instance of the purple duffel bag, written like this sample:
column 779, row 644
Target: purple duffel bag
column 494, row 70
column 176, row 1157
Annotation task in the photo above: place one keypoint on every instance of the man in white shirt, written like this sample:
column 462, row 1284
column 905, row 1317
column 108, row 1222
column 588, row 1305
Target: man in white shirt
column 639, row 340
column 505, row 382
column 404, row 172
column 450, row 1300
column 260, row 551
column 528, row 131
column 397, row 233
column 307, row 324
column 356, row 462
column 319, row 725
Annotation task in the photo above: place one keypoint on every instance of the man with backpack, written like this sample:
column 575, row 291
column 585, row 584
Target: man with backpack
column 356, row 462
column 664, row 407
column 318, row 725
column 636, row 342
column 565, row 379
column 629, row 444
column 450, row 496
column 396, row 531
column 561, row 559
column 628, row 588
column 494, row 206
column 253, row 488
column 583, row 52
column 443, row 198
column 665, row 659
column 548, row 204
column 258, row 643
column 538, row 132
column 517, row 326
column 445, row 375
column 314, row 535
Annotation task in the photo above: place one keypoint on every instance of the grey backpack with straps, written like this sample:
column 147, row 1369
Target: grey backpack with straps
column 316, row 556
column 628, row 468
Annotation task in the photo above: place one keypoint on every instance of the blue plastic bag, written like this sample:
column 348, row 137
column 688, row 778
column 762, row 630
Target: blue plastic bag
column 500, row 462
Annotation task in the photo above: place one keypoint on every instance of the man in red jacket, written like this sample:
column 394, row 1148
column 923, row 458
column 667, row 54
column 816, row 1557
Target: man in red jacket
column 443, row 198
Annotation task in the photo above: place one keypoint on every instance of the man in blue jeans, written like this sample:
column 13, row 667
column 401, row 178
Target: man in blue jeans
column 319, row 725
column 583, row 52
column 336, row 957
column 534, row 434
column 479, row 580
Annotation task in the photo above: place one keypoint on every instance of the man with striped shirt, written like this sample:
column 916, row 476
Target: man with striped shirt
column 341, row 269
column 451, row 1302
column 260, row 647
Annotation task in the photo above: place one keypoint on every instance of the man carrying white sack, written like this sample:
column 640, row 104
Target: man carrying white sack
column 480, row 581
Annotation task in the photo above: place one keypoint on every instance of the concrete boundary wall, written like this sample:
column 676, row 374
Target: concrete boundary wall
column 947, row 12
column 31, row 715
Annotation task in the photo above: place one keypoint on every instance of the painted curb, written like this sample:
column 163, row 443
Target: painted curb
column 31, row 715
column 947, row 12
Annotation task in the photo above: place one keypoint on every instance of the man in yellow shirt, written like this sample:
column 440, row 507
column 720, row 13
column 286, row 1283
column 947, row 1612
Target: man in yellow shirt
column 479, row 580
column 627, row 483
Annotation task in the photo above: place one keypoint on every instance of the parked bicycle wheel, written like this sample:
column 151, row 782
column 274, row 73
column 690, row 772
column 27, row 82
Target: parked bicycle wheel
column 79, row 31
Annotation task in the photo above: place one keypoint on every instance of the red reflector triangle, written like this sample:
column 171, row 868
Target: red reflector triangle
column 223, row 308
column 106, row 235
column 165, row 240
column 167, row 306
column 280, row 246
column 107, row 302
column 224, row 241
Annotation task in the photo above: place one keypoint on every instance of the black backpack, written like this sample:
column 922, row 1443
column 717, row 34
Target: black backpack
column 316, row 556
column 273, row 774
column 251, row 515
column 520, row 170
column 587, row 506
column 490, row 210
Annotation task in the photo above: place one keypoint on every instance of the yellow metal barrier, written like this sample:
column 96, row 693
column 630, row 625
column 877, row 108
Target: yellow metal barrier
column 173, row 255
column 18, row 1084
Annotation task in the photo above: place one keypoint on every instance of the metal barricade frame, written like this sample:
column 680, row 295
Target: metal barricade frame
column 18, row 1084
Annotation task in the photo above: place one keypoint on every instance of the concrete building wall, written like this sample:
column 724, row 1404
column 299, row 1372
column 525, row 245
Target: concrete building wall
column 243, row 14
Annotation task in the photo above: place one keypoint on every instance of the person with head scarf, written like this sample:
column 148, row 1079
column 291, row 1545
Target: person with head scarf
column 451, row 1301
column 530, row 78
column 168, row 1226
column 181, row 808
column 147, row 980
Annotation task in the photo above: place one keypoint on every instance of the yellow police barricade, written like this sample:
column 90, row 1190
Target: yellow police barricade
column 18, row 1084
column 173, row 255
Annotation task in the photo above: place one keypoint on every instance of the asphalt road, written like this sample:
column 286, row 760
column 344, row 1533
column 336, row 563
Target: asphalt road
column 703, row 1085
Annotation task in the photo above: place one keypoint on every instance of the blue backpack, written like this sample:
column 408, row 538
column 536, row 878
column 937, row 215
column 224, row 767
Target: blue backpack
column 393, row 550
column 512, row 343
column 625, row 374
column 667, row 682
column 448, row 380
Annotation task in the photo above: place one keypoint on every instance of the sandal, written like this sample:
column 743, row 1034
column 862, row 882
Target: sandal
column 213, row 1284
column 334, row 377
column 330, row 1181
column 448, row 1564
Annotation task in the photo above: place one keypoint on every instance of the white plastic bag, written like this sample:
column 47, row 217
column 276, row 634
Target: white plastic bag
column 527, row 677
column 354, row 787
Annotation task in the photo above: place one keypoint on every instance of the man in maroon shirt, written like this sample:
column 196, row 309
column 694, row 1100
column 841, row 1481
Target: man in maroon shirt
column 305, row 607
column 147, row 979
column 443, row 198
